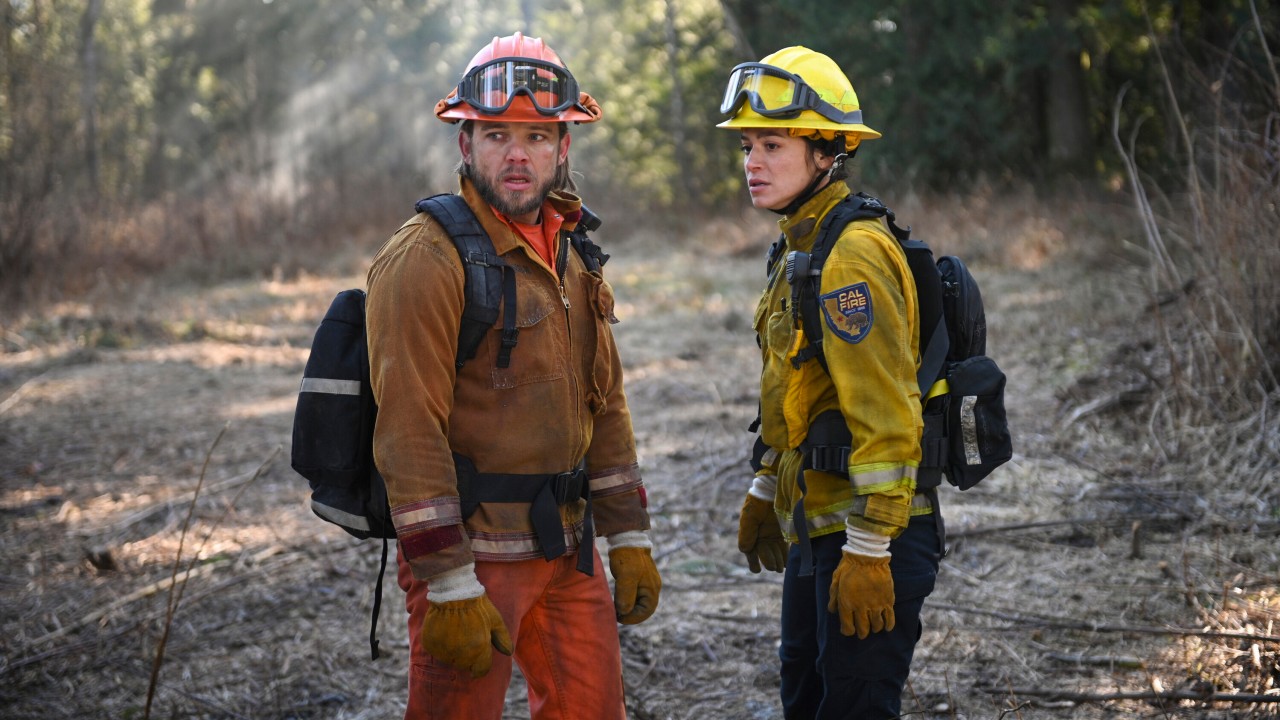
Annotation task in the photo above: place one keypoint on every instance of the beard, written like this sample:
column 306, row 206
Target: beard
column 511, row 204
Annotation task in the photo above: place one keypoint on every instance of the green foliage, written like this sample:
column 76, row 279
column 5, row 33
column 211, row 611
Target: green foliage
column 962, row 88
column 271, row 129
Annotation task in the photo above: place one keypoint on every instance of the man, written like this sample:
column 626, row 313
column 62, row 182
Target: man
column 465, row 449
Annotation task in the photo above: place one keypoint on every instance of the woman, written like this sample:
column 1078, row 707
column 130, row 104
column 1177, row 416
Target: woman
column 859, row 545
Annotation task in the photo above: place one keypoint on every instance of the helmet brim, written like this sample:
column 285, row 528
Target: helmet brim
column 808, row 120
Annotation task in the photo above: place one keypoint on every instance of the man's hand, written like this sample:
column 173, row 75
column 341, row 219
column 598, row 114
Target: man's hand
column 462, row 624
column 760, row 536
column 636, row 584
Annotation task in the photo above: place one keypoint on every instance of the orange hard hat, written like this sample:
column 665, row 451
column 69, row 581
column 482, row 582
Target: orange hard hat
column 518, row 79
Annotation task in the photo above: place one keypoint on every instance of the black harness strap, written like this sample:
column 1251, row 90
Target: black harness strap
column 545, row 493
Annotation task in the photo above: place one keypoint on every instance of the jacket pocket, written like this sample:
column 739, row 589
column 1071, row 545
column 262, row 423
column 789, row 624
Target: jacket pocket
column 538, row 352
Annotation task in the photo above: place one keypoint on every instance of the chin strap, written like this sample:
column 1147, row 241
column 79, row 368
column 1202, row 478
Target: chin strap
column 804, row 195
column 816, row 184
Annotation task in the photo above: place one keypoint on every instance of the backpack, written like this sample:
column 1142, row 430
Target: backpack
column 966, row 432
column 336, row 412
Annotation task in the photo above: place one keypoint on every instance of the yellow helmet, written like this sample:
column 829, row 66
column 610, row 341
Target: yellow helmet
column 795, row 88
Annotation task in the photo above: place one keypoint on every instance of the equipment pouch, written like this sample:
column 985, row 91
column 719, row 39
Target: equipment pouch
column 977, row 429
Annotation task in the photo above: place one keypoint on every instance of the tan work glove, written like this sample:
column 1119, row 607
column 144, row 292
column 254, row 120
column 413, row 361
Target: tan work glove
column 759, row 534
column 862, row 586
column 462, row 624
column 636, row 583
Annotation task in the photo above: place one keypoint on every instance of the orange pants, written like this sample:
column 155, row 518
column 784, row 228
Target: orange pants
column 565, row 632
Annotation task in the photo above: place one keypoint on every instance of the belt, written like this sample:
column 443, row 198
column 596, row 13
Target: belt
column 545, row 493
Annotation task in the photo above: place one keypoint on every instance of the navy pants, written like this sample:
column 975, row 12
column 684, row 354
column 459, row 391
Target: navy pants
column 826, row 675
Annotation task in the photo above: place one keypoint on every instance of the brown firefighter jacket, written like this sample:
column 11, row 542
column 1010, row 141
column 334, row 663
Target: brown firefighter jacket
column 561, row 399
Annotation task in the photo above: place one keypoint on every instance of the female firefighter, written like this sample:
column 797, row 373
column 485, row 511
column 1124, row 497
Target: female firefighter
column 834, row 501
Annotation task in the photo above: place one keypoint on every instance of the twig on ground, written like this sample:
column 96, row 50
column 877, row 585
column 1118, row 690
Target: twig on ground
column 177, row 588
column 1102, row 627
column 1143, row 695
column 1115, row 661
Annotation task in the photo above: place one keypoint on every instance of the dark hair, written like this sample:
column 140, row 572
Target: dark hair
column 564, row 174
column 833, row 148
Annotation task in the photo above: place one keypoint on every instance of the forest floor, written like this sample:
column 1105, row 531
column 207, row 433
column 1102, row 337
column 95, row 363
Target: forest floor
column 1082, row 581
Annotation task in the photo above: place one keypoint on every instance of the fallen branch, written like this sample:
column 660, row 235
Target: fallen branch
column 1065, row 624
column 258, row 559
column 1114, row 661
column 1144, row 695
column 1075, row 522
column 140, row 593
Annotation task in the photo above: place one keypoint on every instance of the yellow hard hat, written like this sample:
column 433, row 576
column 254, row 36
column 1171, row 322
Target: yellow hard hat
column 794, row 88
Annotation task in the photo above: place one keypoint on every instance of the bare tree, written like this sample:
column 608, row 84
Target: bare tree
column 88, row 91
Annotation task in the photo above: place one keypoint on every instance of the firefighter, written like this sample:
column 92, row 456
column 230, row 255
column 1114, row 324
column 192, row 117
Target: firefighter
column 834, row 503
column 547, row 436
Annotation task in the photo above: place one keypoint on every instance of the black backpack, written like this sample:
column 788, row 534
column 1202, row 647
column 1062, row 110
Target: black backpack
column 966, row 432
column 335, row 415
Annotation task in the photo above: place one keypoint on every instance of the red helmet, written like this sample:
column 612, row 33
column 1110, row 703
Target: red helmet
column 517, row 79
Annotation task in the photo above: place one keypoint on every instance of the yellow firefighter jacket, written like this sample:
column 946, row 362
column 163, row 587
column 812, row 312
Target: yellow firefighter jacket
column 870, row 338
column 560, row 401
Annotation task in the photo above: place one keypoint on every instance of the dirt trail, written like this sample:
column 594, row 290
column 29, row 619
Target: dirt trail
column 107, row 417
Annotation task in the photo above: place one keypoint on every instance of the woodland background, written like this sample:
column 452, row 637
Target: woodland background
column 181, row 181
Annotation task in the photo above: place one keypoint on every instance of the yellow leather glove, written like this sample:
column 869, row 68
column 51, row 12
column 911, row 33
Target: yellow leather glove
column 636, row 583
column 760, row 536
column 460, row 633
column 862, row 586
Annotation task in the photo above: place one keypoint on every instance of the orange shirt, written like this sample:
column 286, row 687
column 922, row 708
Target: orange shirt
column 542, row 236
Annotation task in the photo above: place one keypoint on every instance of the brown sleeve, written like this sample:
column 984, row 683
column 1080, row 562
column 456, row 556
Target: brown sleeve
column 415, row 298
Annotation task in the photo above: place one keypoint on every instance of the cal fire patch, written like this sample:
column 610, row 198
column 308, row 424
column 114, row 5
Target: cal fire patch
column 848, row 312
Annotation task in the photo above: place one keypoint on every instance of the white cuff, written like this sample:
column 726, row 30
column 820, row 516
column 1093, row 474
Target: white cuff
column 453, row 585
column 764, row 487
column 630, row 538
column 864, row 542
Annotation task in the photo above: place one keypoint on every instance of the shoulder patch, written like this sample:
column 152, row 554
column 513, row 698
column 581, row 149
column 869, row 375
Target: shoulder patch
column 848, row 312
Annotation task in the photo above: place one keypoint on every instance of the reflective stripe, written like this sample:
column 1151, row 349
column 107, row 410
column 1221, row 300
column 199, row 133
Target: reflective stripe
column 969, row 430
column 888, row 476
column 329, row 386
column 502, row 547
column 615, row 481
column 427, row 514
column 345, row 519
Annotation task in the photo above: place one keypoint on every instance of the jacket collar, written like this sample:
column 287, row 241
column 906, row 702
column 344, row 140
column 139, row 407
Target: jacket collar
column 800, row 228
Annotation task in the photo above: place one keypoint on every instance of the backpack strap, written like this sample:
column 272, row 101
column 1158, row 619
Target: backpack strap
column 592, row 256
column 805, row 273
column 805, row 285
column 488, row 281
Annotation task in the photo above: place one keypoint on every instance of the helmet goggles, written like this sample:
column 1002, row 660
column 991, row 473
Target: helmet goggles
column 492, row 86
column 775, row 93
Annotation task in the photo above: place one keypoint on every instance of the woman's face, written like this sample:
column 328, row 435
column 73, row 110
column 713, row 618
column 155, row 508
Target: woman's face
column 778, row 166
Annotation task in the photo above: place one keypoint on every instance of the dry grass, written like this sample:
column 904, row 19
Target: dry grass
column 1092, row 577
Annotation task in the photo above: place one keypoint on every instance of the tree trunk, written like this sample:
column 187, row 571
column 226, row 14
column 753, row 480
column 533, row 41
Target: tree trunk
column 678, row 141
column 1067, row 124
column 88, row 90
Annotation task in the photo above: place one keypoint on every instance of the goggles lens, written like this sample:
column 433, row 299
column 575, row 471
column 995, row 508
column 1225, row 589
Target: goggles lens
column 775, row 93
column 491, row 87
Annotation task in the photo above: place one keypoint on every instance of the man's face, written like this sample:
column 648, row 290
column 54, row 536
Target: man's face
column 513, row 165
